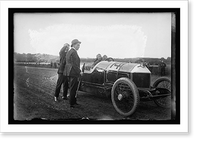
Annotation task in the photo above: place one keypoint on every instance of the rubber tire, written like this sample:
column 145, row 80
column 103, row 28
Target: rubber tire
column 133, row 88
column 156, row 101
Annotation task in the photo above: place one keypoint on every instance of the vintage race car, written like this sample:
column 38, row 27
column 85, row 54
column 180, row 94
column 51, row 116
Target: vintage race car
column 126, row 83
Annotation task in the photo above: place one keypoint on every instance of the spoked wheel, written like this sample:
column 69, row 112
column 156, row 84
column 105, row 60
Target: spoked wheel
column 125, row 96
column 165, row 83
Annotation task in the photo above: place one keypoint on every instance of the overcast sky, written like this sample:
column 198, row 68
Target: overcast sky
column 118, row 35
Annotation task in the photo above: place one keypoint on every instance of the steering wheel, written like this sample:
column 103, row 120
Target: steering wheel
column 109, row 59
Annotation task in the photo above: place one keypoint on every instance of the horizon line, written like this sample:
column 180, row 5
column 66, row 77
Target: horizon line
column 95, row 57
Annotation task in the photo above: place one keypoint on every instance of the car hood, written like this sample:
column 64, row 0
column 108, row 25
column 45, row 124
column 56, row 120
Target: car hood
column 122, row 67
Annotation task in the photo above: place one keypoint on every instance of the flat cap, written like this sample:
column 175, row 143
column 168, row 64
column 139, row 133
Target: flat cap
column 75, row 41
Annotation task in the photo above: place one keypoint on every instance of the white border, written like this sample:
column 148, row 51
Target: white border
column 183, row 127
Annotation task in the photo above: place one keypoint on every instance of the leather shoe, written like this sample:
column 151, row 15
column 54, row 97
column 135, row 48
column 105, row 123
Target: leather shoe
column 64, row 98
column 76, row 104
column 71, row 106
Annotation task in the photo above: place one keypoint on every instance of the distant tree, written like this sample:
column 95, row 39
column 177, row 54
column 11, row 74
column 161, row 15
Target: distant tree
column 169, row 59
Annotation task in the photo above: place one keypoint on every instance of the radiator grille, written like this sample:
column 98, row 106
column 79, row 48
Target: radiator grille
column 142, row 80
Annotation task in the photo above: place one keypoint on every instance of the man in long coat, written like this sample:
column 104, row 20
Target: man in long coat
column 62, row 80
column 72, row 70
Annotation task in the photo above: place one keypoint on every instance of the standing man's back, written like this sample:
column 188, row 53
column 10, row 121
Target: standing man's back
column 62, row 55
column 62, row 80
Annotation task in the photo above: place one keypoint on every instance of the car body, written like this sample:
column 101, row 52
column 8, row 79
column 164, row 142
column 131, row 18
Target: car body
column 126, row 83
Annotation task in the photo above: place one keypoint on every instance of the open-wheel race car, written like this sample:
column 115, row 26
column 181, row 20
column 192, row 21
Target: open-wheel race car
column 127, row 84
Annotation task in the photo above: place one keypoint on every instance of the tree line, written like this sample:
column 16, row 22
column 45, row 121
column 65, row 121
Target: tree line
column 39, row 58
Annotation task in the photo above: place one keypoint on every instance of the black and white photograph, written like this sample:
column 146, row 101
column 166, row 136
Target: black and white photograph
column 100, row 67
column 95, row 65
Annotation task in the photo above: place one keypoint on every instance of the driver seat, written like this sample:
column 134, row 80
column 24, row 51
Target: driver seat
column 89, row 69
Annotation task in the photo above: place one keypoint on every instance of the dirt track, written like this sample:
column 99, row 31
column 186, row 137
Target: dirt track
column 34, row 98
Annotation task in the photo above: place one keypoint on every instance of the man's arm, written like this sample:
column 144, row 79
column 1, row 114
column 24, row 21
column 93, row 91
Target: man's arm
column 75, row 62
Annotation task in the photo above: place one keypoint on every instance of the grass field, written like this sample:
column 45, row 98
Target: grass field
column 34, row 98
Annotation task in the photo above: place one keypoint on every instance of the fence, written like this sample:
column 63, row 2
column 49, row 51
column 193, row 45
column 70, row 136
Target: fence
column 39, row 64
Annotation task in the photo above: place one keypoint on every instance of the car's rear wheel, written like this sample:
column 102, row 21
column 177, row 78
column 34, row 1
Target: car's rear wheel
column 125, row 96
column 163, row 82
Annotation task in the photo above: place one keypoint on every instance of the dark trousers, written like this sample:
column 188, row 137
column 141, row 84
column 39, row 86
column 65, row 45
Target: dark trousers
column 73, row 85
column 162, row 71
column 62, row 80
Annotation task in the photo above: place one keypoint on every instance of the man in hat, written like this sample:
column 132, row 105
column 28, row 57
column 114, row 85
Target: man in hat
column 62, row 80
column 97, row 60
column 72, row 70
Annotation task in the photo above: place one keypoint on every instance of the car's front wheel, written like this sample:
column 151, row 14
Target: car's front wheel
column 125, row 96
